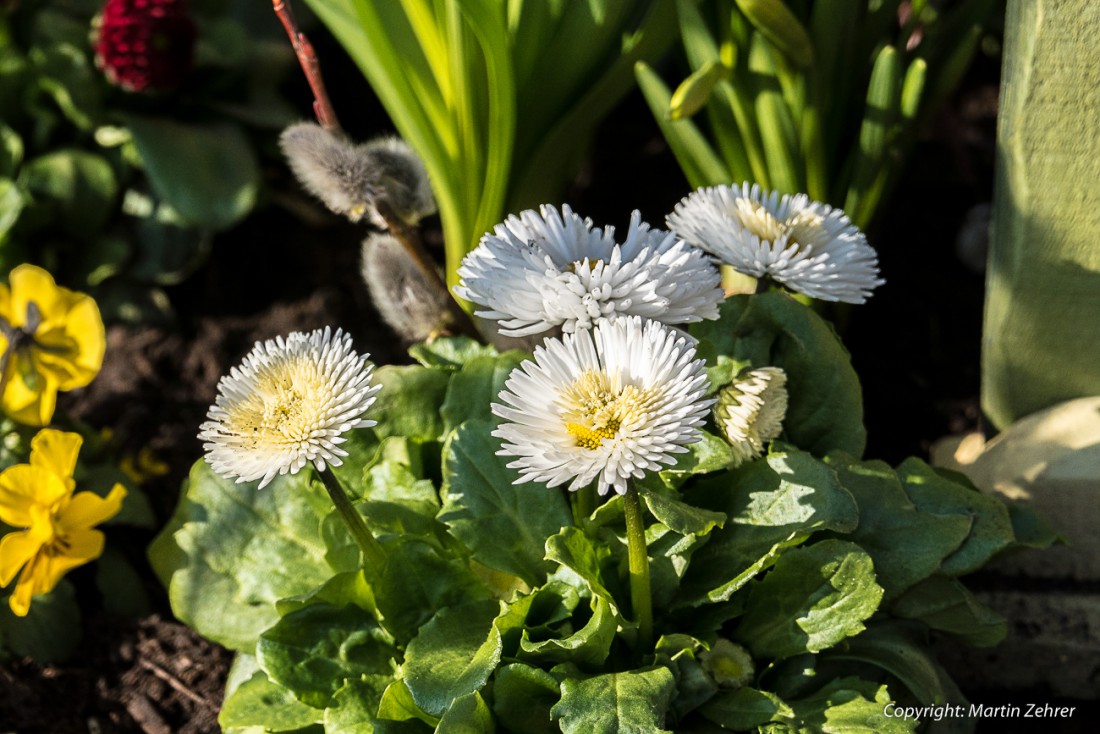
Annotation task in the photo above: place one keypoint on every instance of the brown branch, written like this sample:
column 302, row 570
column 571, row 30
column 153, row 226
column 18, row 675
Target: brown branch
column 175, row 682
column 307, row 57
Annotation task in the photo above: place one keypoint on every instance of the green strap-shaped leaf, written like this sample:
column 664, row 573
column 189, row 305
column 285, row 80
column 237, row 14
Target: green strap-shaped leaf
column 780, row 26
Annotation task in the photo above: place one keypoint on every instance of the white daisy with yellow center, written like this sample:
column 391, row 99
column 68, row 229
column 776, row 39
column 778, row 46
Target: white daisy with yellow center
column 288, row 404
column 751, row 410
column 550, row 268
column 807, row 246
column 604, row 405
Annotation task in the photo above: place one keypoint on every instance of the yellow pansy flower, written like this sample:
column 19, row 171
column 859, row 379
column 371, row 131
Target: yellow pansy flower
column 57, row 534
column 51, row 339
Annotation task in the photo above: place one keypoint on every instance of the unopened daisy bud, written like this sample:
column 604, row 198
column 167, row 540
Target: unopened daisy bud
column 729, row 664
column 412, row 305
column 605, row 405
column 551, row 268
column 355, row 180
column 807, row 246
column 751, row 410
column 286, row 405
column 145, row 45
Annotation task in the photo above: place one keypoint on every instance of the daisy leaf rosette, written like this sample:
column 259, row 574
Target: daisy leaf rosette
column 807, row 246
column 604, row 405
column 551, row 268
column 288, row 404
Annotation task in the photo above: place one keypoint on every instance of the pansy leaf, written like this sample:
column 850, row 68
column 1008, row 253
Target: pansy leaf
column 616, row 703
column 813, row 598
column 51, row 630
column 504, row 525
column 825, row 409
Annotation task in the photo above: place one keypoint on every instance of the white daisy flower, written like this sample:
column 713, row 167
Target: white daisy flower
column 551, row 268
column 608, row 404
column 286, row 405
column 751, row 410
column 807, row 246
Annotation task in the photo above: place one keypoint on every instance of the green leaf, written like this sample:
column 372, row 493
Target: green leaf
column 260, row 703
column 681, row 517
column 476, row 386
column 418, row 581
column 208, row 172
column 522, row 699
column 901, row 649
column 453, row 655
column 616, row 703
column 906, row 545
column 825, row 411
column 745, row 709
column 812, row 599
column 121, row 585
column 694, row 686
column 314, row 650
column 772, row 504
column 450, row 352
column 72, row 189
column 398, row 705
column 230, row 552
column 354, row 707
column 468, row 714
column 946, row 605
column 670, row 555
column 349, row 587
column 593, row 562
column 11, row 154
column 780, row 26
column 11, row 205
column 408, row 403
column 849, row 706
column 589, row 645
column 51, row 630
column 709, row 454
column 992, row 529
column 504, row 525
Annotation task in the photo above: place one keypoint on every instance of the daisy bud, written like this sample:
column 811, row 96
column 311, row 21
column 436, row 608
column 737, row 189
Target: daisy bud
column 751, row 410
column 354, row 180
column 729, row 664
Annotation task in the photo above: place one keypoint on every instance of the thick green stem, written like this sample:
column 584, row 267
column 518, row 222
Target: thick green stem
column 640, row 596
column 372, row 549
column 584, row 504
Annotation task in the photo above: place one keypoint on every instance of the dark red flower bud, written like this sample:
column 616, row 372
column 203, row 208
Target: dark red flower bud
column 145, row 45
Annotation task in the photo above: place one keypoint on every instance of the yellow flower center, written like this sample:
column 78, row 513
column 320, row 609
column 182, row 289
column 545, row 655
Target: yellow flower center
column 596, row 406
column 590, row 262
column 800, row 229
column 285, row 406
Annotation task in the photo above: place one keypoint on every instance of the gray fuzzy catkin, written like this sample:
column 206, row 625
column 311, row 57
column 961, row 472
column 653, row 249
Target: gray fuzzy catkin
column 407, row 300
column 353, row 179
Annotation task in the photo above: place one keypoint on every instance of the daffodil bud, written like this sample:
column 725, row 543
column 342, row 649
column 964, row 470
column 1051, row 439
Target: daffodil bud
column 355, row 180
column 695, row 91
column 412, row 305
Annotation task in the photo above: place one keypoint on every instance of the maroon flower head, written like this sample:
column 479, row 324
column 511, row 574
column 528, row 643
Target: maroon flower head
column 145, row 45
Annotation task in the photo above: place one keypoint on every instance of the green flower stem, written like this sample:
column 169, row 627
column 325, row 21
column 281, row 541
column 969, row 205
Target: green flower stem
column 372, row 549
column 641, row 598
column 584, row 504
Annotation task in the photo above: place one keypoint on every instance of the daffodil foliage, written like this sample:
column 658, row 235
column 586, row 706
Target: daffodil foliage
column 793, row 591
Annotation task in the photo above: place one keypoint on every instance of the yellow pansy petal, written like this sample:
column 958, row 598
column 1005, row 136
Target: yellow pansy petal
column 20, row 599
column 31, row 283
column 88, row 509
column 56, row 451
column 78, row 548
column 27, row 405
column 5, row 301
column 16, row 549
column 84, row 339
column 24, row 489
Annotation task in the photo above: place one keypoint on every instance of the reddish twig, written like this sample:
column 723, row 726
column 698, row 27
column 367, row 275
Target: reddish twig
column 307, row 57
